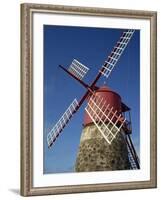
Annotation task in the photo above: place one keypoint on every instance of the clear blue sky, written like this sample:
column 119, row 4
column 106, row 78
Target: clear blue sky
column 90, row 46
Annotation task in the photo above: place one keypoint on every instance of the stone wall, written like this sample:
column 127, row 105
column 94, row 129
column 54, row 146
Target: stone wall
column 95, row 154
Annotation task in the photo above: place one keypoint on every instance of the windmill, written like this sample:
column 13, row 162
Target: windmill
column 105, row 122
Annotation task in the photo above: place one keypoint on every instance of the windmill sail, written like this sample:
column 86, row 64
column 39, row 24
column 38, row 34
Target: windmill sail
column 59, row 126
column 107, row 121
column 78, row 69
column 116, row 53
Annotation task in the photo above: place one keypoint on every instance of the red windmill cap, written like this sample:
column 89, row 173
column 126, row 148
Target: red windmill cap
column 111, row 99
column 105, row 88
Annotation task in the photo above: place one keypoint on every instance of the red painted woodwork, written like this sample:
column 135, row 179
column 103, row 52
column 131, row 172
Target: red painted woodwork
column 111, row 97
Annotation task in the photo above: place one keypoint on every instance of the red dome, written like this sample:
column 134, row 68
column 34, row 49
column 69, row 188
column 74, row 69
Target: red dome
column 111, row 98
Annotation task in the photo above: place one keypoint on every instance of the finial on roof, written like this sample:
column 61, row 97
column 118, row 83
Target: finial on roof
column 104, row 82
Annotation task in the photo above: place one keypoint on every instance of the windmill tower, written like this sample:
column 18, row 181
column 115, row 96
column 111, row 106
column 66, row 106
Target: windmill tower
column 96, row 153
column 105, row 142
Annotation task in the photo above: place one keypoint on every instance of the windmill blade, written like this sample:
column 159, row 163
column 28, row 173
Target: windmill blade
column 60, row 125
column 107, row 121
column 116, row 53
column 78, row 69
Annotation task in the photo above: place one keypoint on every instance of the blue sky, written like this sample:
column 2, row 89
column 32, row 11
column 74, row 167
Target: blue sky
column 90, row 46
